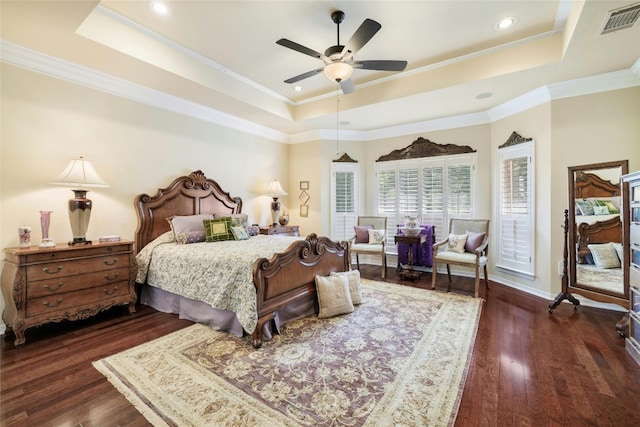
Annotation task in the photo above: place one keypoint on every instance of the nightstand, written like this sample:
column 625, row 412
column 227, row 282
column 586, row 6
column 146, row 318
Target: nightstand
column 281, row 230
column 43, row 285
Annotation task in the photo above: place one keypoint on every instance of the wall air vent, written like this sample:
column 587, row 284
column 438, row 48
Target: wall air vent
column 621, row 18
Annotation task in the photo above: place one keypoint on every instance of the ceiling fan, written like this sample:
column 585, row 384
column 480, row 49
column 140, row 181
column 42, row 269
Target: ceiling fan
column 338, row 60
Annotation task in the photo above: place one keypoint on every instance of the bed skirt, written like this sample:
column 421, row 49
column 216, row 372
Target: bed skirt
column 219, row 320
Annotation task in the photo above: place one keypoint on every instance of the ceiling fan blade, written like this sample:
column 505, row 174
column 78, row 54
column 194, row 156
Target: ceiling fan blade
column 304, row 76
column 302, row 49
column 381, row 65
column 363, row 34
column 347, row 86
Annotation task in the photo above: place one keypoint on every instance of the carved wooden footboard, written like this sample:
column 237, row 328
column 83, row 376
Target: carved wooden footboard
column 289, row 277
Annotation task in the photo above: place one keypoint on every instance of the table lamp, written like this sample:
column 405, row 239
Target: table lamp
column 275, row 190
column 81, row 174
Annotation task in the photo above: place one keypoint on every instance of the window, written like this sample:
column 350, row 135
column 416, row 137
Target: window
column 344, row 196
column 435, row 189
column 515, row 219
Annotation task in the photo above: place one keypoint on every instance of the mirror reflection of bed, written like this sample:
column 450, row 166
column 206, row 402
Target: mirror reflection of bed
column 597, row 236
column 599, row 229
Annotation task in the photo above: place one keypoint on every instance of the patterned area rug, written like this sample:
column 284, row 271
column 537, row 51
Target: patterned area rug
column 400, row 358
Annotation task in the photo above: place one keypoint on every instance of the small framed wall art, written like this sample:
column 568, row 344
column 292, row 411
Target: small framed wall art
column 304, row 211
column 304, row 185
column 304, row 197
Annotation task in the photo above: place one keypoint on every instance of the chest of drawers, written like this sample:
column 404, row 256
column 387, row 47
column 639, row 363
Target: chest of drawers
column 65, row 283
column 632, row 343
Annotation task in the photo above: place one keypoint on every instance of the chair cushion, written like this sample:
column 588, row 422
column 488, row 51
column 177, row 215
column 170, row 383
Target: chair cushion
column 456, row 242
column 353, row 277
column 376, row 237
column 474, row 240
column 460, row 258
column 334, row 297
column 362, row 233
column 366, row 247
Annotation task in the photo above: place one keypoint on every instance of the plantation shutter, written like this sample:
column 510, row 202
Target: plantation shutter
column 344, row 196
column 433, row 197
column 387, row 203
column 516, row 209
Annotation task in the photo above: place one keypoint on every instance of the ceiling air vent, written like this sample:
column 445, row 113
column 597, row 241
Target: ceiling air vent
column 621, row 18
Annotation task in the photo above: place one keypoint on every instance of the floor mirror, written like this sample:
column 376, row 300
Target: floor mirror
column 597, row 236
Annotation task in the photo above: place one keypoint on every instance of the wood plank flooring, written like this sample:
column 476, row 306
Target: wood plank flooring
column 529, row 367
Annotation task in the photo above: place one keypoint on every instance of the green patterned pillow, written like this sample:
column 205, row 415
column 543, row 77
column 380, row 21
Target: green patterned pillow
column 239, row 233
column 237, row 220
column 610, row 206
column 218, row 229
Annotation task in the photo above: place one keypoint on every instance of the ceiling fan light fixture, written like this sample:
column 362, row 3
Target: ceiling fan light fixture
column 338, row 71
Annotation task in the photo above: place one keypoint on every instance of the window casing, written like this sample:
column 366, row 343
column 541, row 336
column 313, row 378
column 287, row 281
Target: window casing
column 516, row 209
column 434, row 188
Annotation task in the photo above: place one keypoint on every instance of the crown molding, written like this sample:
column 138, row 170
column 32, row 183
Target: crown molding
column 19, row 56
column 29, row 59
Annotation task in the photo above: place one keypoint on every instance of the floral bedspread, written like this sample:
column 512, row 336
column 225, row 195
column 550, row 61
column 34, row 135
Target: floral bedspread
column 219, row 273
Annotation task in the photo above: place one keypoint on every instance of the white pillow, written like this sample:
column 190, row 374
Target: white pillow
column 186, row 224
column 456, row 242
column 334, row 297
column 618, row 248
column 353, row 278
column 600, row 210
column 604, row 255
column 376, row 237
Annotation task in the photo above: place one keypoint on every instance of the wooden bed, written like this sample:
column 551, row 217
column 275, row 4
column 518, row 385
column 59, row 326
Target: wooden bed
column 588, row 185
column 287, row 278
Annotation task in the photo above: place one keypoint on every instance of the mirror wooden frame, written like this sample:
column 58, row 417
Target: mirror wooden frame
column 592, row 292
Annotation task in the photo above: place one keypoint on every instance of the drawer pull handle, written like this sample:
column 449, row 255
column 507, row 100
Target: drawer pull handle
column 113, row 262
column 46, row 270
column 52, row 305
column 106, row 276
column 108, row 292
column 53, row 287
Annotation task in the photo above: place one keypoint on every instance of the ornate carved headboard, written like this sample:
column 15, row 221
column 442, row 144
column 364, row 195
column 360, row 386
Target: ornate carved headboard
column 591, row 185
column 186, row 195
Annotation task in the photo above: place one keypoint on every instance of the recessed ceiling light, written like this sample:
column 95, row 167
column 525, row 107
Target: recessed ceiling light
column 160, row 8
column 298, row 88
column 505, row 23
column 484, row 95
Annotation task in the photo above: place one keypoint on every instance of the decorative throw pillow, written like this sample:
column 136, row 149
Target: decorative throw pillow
column 187, row 224
column 253, row 230
column 239, row 233
column 218, row 229
column 376, row 237
column 600, row 210
column 619, row 251
column 353, row 278
column 362, row 233
column 240, row 220
column 473, row 241
column 334, row 297
column 604, row 255
column 456, row 242
column 191, row 237
column 611, row 207
column 585, row 206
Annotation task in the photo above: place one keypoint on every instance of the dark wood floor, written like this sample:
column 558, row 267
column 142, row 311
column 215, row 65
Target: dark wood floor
column 529, row 367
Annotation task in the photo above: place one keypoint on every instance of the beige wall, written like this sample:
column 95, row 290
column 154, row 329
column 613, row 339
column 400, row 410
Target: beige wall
column 134, row 147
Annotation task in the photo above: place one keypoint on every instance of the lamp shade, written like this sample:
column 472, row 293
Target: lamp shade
column 275, row 189
column 80, row 173
column 338, row 71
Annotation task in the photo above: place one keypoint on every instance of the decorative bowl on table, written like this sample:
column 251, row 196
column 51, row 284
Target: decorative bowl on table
column 411, row 231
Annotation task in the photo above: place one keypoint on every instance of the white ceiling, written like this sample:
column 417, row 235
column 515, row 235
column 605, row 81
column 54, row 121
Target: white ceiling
column 222, row 55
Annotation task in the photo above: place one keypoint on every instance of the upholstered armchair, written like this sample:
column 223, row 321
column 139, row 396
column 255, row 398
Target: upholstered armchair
column 466, row 245
column 370, row 239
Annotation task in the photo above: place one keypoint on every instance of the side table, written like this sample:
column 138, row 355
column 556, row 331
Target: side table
column 409, row 272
